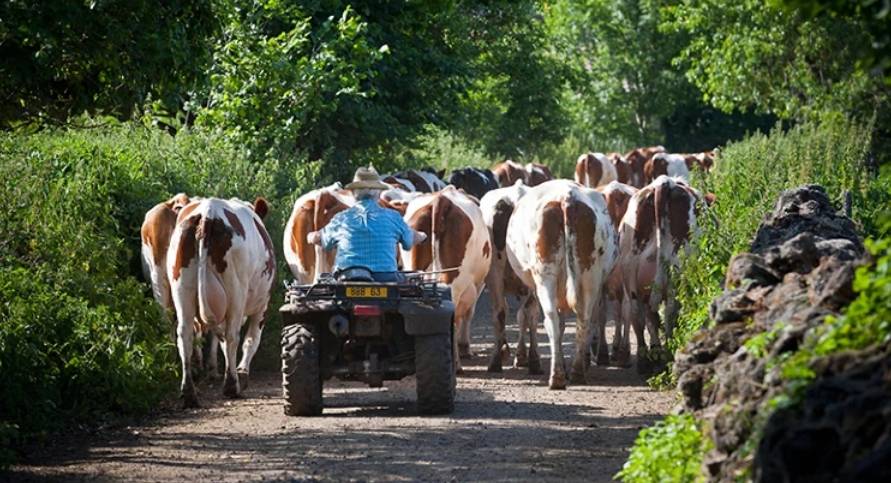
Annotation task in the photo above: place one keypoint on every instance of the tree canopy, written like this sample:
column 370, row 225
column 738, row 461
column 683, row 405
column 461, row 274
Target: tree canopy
column 350, row 82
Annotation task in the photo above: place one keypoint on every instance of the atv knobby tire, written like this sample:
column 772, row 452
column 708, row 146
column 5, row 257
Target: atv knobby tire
column 435, row 373
column 301, row 381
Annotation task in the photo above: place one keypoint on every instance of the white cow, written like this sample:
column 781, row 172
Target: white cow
column 497, row 206
column 312, row 212
column 561, row 243
column 221, row 265
column 458, row 242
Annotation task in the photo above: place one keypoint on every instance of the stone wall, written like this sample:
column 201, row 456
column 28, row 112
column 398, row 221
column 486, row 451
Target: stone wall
column 800, row 269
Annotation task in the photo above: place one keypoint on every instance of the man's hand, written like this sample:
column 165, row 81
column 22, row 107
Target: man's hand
column 419, row 237
column 314, row 238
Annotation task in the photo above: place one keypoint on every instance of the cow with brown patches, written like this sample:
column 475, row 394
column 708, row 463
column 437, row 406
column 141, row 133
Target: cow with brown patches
column 562, row 245
column 594, row 169
column 497, row 207
column 664, row 164
column 424, row 180
column 703, row 161
column 509, row 172
column 455, row 244
column 637, row 160
column 537, row 174
column 617, row 196
column 622, row 167
column 312, row 212
column 221, row 266
column 157, row 228
column 658, row 223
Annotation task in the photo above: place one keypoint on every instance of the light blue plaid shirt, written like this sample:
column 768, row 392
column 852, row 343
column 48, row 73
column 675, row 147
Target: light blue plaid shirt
column 366, row 236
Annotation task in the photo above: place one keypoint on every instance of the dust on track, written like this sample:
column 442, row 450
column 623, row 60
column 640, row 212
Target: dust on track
column 506, row 427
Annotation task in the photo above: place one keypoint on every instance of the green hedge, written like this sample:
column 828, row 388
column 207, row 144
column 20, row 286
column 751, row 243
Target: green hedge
column 80, row 335
column 747, row 180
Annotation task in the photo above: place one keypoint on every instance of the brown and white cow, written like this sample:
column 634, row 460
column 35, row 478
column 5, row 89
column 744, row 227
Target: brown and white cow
column 497, row 207
column 509, row 172
column 456, row 239
column 617, row 196
column 703, row 161
column 637, row 159
column 537, row 174
column 423, row 180
column 532, row 174
column 659, row 221
column 665, row 164
column 157, row 228
column 622, row 167
column 562, row 244
column 594, row 169
column 221, row 266
column 312, row 212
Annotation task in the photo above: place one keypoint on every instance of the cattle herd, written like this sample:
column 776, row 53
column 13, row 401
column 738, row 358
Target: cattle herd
column 600, row 248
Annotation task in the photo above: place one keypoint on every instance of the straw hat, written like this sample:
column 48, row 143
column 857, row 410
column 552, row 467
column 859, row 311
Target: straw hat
column 367, row 178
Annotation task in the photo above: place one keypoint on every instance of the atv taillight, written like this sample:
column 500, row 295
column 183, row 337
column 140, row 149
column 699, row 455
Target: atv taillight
column 367, row 311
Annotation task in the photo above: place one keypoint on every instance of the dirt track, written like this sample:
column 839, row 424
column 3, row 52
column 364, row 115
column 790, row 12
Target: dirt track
column 505, row 426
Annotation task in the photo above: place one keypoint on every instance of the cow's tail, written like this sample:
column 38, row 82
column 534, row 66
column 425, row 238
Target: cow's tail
column 437, row 225
column 212, row 299
column 664, row 243
column 573, row 270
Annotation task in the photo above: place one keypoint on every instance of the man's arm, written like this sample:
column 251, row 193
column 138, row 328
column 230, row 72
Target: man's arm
column 408, row 237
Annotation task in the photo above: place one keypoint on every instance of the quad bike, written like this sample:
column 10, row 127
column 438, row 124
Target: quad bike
column 353, row 327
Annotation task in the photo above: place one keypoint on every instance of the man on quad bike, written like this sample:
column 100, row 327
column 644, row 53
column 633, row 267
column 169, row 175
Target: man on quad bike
column 367, row 321
column 366, row 234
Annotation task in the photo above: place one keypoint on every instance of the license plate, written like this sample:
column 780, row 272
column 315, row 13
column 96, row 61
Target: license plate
column 367, row 292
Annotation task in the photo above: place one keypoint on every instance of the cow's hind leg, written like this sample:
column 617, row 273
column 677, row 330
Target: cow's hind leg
column 529, row 309
column 553, row 323
column 502, row 350
column 185, row 339
column 249, row 348
column 230, row 351
column 211, row 362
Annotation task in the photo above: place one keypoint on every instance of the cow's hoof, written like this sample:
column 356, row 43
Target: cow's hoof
column 464, row 351
column 602, row 358
column 521, row 360
column 505, row 355
column 557, row 382
column 495, row 363
column 190, row 399
column 242, row 380
column 577, row 376
column 535, row 366
column 230, row 386
column 621, row 358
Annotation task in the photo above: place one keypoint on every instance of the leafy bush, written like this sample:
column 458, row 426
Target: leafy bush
column 80, row 333
column 670, row 450
column 747, row 180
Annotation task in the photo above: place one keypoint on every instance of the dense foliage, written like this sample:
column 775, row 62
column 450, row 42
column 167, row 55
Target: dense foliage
column 830, row 154
column 670, row 450
column 62, row 58
column 80, row 334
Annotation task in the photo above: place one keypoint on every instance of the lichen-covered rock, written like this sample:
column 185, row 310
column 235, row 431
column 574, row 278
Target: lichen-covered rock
column 800, row 270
